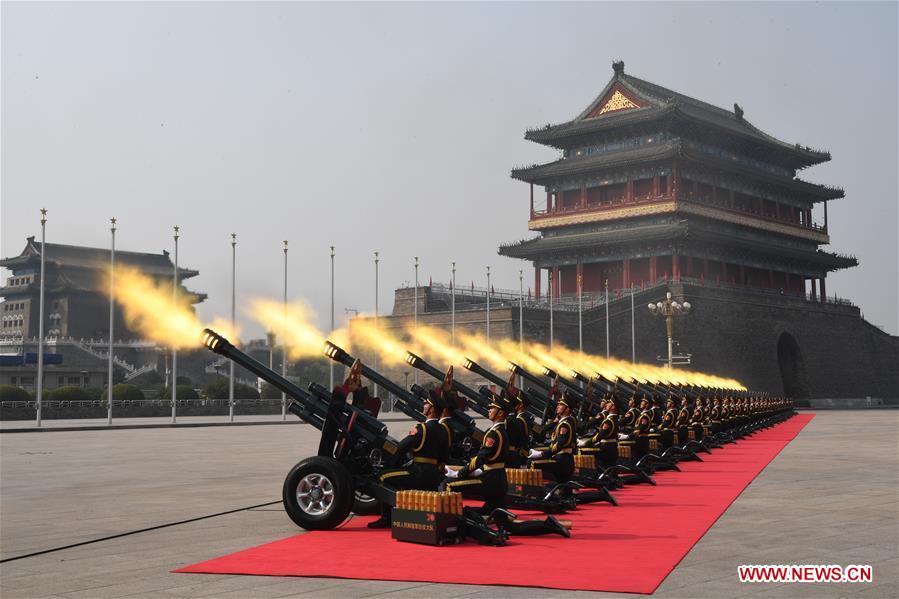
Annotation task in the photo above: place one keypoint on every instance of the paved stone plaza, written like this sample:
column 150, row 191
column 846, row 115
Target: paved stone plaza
column 829, row 498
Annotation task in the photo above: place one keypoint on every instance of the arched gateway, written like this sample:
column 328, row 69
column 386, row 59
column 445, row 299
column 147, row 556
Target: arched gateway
column 792, row 367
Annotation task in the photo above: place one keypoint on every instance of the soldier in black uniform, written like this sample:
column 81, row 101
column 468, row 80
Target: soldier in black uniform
column 485, row 477
column 427, row 443
column 629, row 420
column 557, row 460
column 518, row 428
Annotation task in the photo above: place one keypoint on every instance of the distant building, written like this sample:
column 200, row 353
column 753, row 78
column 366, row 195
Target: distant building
column 76, row 318
column 659, row 192
column 74, row 303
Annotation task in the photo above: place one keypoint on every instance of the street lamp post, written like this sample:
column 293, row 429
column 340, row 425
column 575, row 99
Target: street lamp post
column 39, row 397
column 669, row 309
column 521, row 320
column 111, row 322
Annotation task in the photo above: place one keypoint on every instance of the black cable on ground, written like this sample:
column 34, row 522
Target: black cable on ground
column 134, row 532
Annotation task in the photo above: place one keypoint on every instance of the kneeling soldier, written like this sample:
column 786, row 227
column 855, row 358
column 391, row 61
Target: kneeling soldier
column 557, row 460
column 427, row 443
column 485, row 477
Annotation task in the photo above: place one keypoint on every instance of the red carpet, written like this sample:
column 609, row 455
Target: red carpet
column 654, row 527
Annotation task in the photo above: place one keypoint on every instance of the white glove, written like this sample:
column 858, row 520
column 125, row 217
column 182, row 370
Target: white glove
column 477, row 472
column 622, row 436
column 450, row 473
column 582, row 442
column 535, row 454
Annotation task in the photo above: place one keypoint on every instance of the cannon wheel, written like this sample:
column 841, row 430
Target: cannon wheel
column 363, row 505
column 318, row 493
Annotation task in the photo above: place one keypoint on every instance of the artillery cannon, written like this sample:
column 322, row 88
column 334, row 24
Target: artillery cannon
column 320, row 491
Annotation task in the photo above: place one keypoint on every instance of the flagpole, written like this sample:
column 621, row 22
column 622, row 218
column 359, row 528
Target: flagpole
column 580, row 314
column 415, row 317
column 633, row 332
column 331, row 365
column 111, row 322
column 39, row 398
column 551, row 294
column 607, row 318
column 453, row 304
column 284, row 339
column 488, row 305
column 174, row 348
column 377, row 261
column 233, row 301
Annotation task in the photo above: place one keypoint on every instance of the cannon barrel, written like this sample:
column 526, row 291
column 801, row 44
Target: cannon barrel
column 462, row 423
column 310, row 406
column 574, row 387
column 535, row 401
column 519, row 370
column 476, row 401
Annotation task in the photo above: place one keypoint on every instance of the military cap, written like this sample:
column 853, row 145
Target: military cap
column 500, row 402
column 569, row 400
column 435, row 399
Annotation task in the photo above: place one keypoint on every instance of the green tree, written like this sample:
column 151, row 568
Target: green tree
column 69, row 394
column 125, row 392
column 11, row 393
column 218, row 389
column 183, row 392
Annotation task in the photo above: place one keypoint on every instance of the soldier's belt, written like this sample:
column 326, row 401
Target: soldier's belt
column 425, row 461
column 566, row 450
column 499, row 466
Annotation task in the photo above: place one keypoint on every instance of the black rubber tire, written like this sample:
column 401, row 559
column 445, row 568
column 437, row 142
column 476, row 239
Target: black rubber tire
column 343, row 493
column 363, row 505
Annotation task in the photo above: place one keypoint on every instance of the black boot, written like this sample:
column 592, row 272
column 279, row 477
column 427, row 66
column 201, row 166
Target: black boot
column 557, row 527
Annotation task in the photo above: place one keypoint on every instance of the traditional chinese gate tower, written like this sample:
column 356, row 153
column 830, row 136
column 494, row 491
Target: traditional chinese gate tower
column 653, row 184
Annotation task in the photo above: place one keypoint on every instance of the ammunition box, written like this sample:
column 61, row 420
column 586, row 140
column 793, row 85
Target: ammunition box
column 425, row 527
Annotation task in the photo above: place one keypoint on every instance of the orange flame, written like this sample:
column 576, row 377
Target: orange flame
column 150, row 308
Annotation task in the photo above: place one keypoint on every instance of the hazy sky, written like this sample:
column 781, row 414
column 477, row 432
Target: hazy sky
column 393, row 127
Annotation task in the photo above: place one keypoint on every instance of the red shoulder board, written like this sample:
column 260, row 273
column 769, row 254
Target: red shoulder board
column 489, row 441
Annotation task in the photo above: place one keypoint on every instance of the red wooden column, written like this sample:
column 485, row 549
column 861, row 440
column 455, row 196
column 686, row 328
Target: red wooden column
column 626, row 281
column 770, row 278
column 549, row 200
column 823, row 290
column 537, row 283
column 673, row 184
column 675, row 267
column 583, row 196
column 814, row 293
column 630, row 190
column 786, row 282
column 742, row 275
column 652, row 269
column 656, row 192
column 557, row 282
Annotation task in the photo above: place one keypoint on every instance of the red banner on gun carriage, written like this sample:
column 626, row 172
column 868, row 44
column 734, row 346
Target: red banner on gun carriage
column 630, row 548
